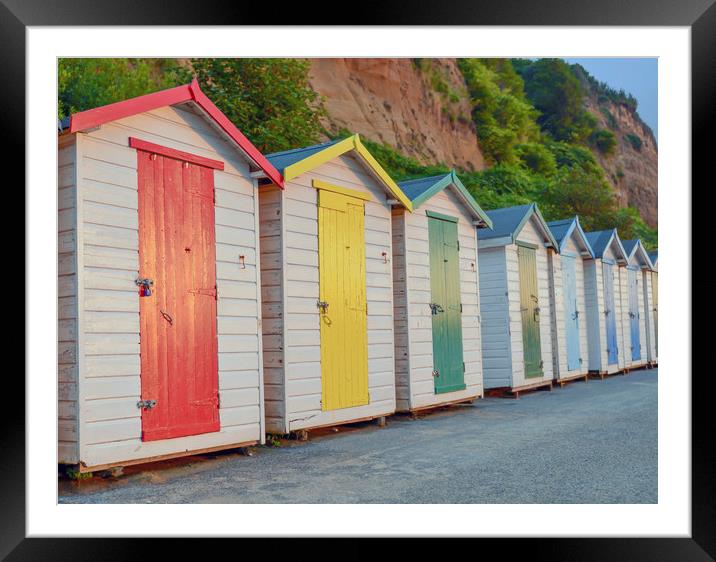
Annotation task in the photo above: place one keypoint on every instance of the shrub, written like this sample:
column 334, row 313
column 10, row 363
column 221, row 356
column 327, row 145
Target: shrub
column 634, row 141
column 604, row 140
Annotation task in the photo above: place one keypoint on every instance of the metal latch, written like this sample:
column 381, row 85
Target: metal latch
column 323, row 305
column 436, row 373
column 435, row 308
column 145, row 283
column 146, row 404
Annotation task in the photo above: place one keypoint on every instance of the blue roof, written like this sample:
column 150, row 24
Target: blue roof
column 654, row 256
column 560, row 228
column 504, row 221
column 282, row 160
column 415, row 188
column 599, row 240
column 629, row 246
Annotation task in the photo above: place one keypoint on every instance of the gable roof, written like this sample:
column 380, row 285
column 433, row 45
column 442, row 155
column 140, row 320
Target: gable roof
column 563, row 229
column 293, row 163
column 600, row 240
column 185, row 94
column 421, row 189
column 634, row 248
column 654, row 257
column 508, row 221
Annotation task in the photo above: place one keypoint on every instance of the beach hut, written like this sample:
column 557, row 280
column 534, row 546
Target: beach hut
column 514, row 278
column 435, row 294
column 654, row 257
column 636, row 306
column 569, row 319
column 327, row 282
column 159, row 295
column 603, row 299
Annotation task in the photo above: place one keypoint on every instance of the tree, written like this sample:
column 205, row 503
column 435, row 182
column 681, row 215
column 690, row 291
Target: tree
column 557, row 94
column 270, row 100
column 88, row 83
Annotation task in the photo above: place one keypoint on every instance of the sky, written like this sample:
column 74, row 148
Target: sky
column 637, row 76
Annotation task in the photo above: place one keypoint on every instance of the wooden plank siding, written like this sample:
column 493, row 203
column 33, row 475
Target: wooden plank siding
column 272, row 296
column 299, row 314
column 400, row 311
column 67, row 317
column 110, row 381
column 412, row 269
column 649, row 313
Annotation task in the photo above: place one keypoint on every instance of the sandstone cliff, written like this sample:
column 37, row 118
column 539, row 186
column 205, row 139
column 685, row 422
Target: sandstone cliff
column 423, row 111
column 392, row 101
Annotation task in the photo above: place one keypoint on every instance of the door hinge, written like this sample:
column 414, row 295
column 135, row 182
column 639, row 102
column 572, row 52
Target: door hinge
column 146, row 404
column 458, row 245
column 463, row 366
column 460, row 308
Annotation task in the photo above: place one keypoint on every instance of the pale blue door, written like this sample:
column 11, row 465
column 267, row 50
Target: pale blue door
column 609, row 313
column 569, row 281
column 634, row 316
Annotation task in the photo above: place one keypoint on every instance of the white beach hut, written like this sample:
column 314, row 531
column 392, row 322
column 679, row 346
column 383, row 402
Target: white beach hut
column 636, row 305
column 654, row 257
column 515, row 303
column 159, row 296
column 569, row 321
column 435, row 294
column 327, row 282
column 603, row 299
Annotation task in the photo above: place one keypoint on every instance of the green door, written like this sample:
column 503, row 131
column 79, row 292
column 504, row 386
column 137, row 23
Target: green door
column 448, row 366
column 529, row 306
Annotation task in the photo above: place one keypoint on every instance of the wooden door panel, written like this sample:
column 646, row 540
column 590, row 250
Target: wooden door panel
column 178, row 342
column 529, row 307
column 342, row 289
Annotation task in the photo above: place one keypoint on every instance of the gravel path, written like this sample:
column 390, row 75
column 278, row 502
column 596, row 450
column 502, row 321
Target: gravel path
column 592, row 442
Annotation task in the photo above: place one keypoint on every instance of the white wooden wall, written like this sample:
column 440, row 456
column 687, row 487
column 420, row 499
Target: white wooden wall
column 649, row 313
column 496, row 339
column 110, row 423
column 625, row 350
column 302, row 351
column 67, row 409
column 531, row 235
column 417, row 316
column 559, row 319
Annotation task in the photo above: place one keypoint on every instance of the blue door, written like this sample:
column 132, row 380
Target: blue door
column 569, row 281
column 609, row 313
column 634, row 316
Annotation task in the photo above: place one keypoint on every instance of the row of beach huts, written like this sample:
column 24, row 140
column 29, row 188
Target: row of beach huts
column 210, row 294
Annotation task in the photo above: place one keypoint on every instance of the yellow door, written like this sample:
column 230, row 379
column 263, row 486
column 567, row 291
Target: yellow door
column 342, row 304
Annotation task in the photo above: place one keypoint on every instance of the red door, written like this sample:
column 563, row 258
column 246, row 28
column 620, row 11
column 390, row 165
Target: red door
column 178, row 318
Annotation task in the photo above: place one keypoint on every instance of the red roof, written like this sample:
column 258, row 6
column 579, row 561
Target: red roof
column 188, row 92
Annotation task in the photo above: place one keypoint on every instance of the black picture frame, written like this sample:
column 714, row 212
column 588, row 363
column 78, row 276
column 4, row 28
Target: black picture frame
column 699, row 15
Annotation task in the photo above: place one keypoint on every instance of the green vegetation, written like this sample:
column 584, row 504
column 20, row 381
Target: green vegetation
column 611, row 120
column 604, row 141
column 87, row 83
column 603, row 91
column 529, row 117
column 268, row 99
column 634, row 141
